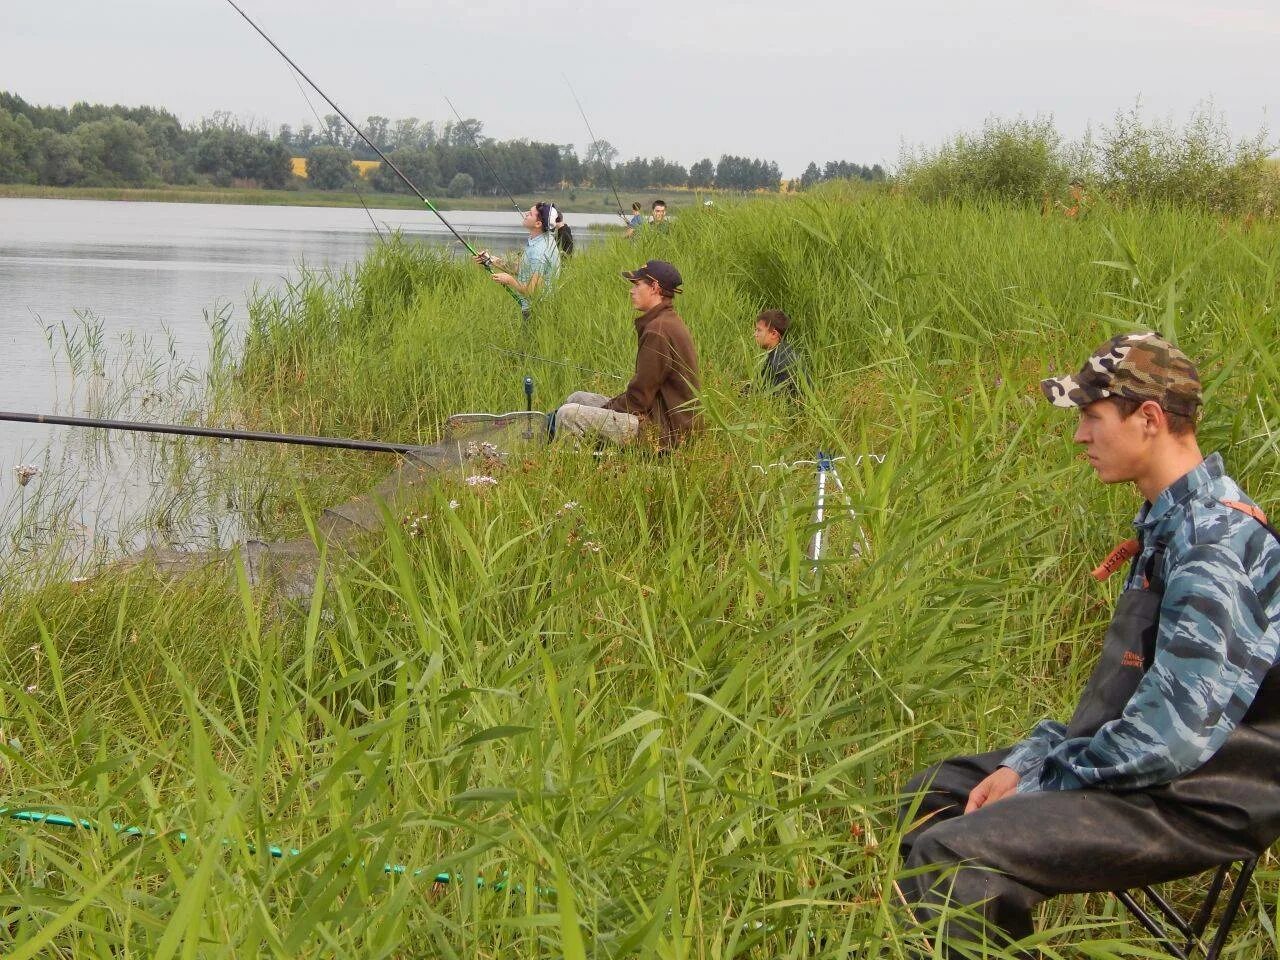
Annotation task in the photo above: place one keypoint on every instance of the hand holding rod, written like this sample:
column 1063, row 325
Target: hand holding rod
column 372, row 146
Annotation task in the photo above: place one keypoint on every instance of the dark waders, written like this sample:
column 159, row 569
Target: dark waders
column 1003, row 859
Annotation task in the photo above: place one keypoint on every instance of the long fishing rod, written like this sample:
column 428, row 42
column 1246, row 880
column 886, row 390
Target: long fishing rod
column 39, row 818
column 462, row 125
column 608, row 175
column 373, row 146
column 372, row 446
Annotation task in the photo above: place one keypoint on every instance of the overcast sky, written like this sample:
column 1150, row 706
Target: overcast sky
column 791, row 82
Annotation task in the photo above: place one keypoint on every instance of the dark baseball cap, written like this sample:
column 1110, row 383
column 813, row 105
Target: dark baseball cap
column 660, row 272
column 1136, row 366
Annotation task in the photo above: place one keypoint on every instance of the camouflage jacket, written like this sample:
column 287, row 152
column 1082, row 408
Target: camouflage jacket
column 1219, row 634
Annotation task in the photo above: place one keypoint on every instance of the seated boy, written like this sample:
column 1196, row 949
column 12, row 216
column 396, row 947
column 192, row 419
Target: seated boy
column 781, row 371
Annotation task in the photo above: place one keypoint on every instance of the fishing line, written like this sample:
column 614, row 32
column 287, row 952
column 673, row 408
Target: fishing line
column 559, row 363
column 322, row 125
column 483, row 159
column 607, row 172
column 784, row 465
column 488, row 268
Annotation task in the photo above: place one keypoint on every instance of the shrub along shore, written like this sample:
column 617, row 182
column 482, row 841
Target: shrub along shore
column 619, row 678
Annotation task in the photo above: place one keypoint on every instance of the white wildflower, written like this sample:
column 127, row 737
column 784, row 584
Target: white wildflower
column 417, row 526
column 477, row 480
column 453, row 504
column 26, row 473
column 32, row 688
column 591, row 545
column 571, row 505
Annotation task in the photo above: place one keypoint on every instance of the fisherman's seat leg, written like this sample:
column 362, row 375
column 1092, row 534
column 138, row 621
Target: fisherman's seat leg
column 1182, row 937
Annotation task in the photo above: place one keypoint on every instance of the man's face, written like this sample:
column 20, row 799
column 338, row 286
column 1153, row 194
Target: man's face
column 645, row 294
column 766, row 337
column 659, row 213
column 531, row 218
column 1117, row 447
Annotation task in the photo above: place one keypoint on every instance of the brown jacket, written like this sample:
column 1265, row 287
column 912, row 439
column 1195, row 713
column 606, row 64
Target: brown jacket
column 666, row 381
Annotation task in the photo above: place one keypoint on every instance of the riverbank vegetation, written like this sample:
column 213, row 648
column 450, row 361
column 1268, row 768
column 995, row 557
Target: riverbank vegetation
column 1133, row 159
column 614, row 687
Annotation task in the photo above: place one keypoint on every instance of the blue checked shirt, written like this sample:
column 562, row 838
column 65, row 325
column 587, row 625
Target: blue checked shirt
column 1217, row 639
column 542, row 257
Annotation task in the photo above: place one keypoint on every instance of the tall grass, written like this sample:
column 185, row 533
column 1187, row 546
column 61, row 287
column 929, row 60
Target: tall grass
column 1134, row 159
column 614, row 685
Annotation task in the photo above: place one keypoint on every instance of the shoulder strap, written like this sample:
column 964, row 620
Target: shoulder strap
column 1130, row 548
column 1255, row 512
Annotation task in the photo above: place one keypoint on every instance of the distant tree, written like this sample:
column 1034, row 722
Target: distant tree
column 811, row 176
column 115, row 153
column 284, row 135
column 228, row 154
column 702, row 174
column 747, row 173
column 635, row 174
column 571, row 171
column 170, row 143
column 416, row 163
column 306, row 139
column 19, row 149
column 336, row 132
column 376, row 129
column 330, row 168
column 599, row 162
column 667, row 173
column 59, row 159
column 466, row 133
column 461, row 185
column 404, row 133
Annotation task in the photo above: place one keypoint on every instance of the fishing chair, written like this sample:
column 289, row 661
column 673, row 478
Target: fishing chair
column 1171, row 937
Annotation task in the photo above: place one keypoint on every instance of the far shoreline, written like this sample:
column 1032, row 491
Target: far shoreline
column 584, row 201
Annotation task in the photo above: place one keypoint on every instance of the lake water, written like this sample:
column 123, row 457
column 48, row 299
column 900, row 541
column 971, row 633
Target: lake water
column 106, row 309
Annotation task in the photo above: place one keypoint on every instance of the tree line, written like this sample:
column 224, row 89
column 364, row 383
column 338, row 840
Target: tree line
column 115, row 146
column 119, row 146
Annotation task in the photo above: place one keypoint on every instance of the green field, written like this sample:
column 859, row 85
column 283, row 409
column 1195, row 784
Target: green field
column 583, row 200
column 613, row 687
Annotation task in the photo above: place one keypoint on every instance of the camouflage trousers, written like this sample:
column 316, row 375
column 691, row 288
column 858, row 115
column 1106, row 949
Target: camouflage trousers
column 583, row 415
column 999, row 862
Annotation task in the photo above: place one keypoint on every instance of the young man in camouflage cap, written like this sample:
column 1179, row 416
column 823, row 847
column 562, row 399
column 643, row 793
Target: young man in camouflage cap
column 1170, row 764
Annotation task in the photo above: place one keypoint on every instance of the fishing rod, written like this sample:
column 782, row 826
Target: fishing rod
column 343, row 443
column 462, row 124
column 39, row 818
column 374, row 147
column 608, row 175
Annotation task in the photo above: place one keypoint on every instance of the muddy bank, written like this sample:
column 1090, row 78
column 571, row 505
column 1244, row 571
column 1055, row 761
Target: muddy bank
column 290, row 566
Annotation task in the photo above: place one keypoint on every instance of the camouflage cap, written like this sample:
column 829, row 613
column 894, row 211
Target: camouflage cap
column 1137, row 366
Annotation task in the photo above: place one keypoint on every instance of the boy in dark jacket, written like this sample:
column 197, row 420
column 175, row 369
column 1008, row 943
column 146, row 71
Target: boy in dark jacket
column 781, row 370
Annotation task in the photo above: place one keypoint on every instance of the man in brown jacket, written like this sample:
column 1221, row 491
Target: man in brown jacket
column 661, row 395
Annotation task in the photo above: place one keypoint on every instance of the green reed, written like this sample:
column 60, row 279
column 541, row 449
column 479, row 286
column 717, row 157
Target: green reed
column 614, row 685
